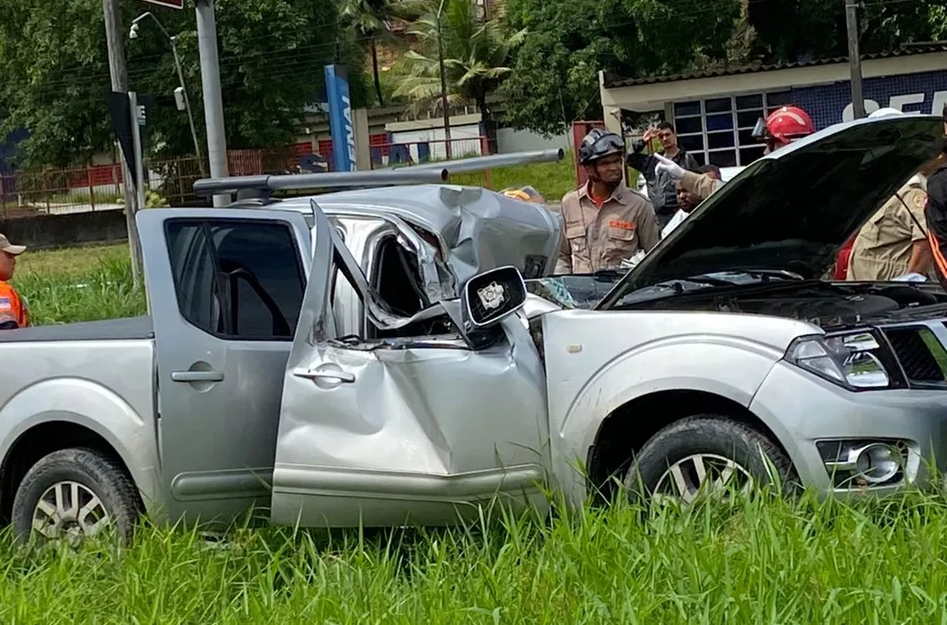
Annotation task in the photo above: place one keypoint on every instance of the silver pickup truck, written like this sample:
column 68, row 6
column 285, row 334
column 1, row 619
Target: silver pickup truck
column 374, row 359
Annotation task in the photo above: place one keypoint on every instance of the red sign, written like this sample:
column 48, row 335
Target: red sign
column 171, row 4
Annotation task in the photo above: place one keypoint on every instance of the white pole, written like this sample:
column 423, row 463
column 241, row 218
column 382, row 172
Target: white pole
column 136, row 145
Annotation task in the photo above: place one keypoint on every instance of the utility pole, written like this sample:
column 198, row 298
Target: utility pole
column 440, row 61
column 119, row 76
column 213, row 105
column 854, row 58
column 182, row 88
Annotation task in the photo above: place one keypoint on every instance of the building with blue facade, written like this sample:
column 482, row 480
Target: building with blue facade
column 715, row 111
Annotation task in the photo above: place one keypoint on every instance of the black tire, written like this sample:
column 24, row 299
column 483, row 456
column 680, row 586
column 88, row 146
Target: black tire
column 707, row 434
column 102, row 475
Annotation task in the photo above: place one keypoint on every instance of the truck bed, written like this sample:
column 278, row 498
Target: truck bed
column 112, row 329
column 96, row 375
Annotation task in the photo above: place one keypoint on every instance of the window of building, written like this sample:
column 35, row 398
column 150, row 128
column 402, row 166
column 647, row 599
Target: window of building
column 237, row 279
column 717, row 130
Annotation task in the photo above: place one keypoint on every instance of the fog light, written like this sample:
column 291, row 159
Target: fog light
column 856, row 464
column 878, row 463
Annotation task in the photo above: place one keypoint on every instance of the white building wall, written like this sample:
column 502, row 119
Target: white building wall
column 510, row 140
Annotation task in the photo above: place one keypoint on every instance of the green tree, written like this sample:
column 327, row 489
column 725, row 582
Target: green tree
column 54, row 73
column 793, row 30
column 555, row 78
column 373, row 20
column 476, row 52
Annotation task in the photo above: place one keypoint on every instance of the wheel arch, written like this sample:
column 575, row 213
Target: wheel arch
column 624, row 432
column 40, row 440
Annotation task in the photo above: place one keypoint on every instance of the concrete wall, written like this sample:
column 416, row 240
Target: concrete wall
column 509, row 140
column 49, row 231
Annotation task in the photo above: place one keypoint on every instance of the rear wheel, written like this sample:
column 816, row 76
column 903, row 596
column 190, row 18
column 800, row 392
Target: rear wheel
column 706, row 456
column 72, row 494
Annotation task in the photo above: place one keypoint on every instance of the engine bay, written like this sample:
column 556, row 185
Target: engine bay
column 826, row 304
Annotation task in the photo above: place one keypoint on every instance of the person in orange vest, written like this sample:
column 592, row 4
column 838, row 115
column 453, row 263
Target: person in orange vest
column 13, row 312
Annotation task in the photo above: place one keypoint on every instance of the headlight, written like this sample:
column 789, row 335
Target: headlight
column 856, row 360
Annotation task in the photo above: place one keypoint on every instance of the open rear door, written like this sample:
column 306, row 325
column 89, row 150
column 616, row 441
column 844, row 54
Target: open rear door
column 225, row 287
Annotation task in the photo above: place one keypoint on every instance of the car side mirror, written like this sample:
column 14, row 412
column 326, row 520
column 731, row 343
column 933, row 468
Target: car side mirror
column 492, row 296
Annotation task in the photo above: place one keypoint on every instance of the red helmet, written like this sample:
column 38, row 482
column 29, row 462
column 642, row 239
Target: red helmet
column 785, row 124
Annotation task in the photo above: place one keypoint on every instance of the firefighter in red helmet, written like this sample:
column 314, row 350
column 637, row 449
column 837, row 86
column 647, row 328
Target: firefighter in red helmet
column 779, row 129
column 782, row 127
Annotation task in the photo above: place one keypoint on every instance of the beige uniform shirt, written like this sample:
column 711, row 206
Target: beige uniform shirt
column 882, row 248
column 600, row 238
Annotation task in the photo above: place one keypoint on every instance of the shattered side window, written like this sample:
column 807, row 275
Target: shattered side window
column 397, row 278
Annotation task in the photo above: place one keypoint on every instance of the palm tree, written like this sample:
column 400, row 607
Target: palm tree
column 373, row 19
column 476, row 58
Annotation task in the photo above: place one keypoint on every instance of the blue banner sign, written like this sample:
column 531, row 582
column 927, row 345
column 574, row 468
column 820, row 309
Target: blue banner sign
column 340, row 118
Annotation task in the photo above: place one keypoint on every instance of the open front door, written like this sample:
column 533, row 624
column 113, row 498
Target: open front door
column 419, row 429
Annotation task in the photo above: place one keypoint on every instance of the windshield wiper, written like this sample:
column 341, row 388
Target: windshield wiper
column 764, row 275
column 604, row 275
column 777, row 273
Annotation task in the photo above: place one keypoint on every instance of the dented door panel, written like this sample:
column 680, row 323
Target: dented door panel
column 417, row 433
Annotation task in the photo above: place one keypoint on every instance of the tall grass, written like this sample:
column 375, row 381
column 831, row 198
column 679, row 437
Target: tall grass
column 758, row 562
column 80, row 284
column 761, row 560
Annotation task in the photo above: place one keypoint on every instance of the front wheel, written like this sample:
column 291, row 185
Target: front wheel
column 706, row 456
column 72, row 494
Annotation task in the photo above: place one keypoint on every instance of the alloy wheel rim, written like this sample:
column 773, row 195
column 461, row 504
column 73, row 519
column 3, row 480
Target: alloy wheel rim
column 71, row 511
column 702, row 475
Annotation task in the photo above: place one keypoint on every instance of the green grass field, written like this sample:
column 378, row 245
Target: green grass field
column 755, row 562
column 78, row 284
column 553, row 180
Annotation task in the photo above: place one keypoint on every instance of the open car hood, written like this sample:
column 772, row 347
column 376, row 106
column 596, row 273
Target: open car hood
column 793, row 209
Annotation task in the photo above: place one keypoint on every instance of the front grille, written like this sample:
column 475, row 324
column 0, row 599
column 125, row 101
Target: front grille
column 914, row 354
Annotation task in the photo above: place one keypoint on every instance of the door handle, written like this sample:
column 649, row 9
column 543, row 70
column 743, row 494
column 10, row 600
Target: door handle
column 316, row 374
column 197, row 376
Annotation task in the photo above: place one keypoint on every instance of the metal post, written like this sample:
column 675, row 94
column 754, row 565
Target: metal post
column 213, row 106
column 88, row 178
column 119, row 76
column 440, row 61
column 854, row 58
column 187, row 105
column 177, row 65
column 136, row 146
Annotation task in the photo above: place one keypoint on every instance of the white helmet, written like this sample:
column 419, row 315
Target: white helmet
column 884, row 112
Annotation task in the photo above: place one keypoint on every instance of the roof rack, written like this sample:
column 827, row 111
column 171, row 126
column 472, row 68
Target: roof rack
column 258, row 189
column 480, row 163
column 263, row 186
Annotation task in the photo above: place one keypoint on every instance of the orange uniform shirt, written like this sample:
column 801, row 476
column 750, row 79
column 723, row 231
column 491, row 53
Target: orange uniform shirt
column 11, row 308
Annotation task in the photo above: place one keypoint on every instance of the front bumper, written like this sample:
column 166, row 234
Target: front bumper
column 802, row 409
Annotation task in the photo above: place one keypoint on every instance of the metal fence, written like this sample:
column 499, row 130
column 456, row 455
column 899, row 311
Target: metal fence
column 385, row 154
column 59, row 191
